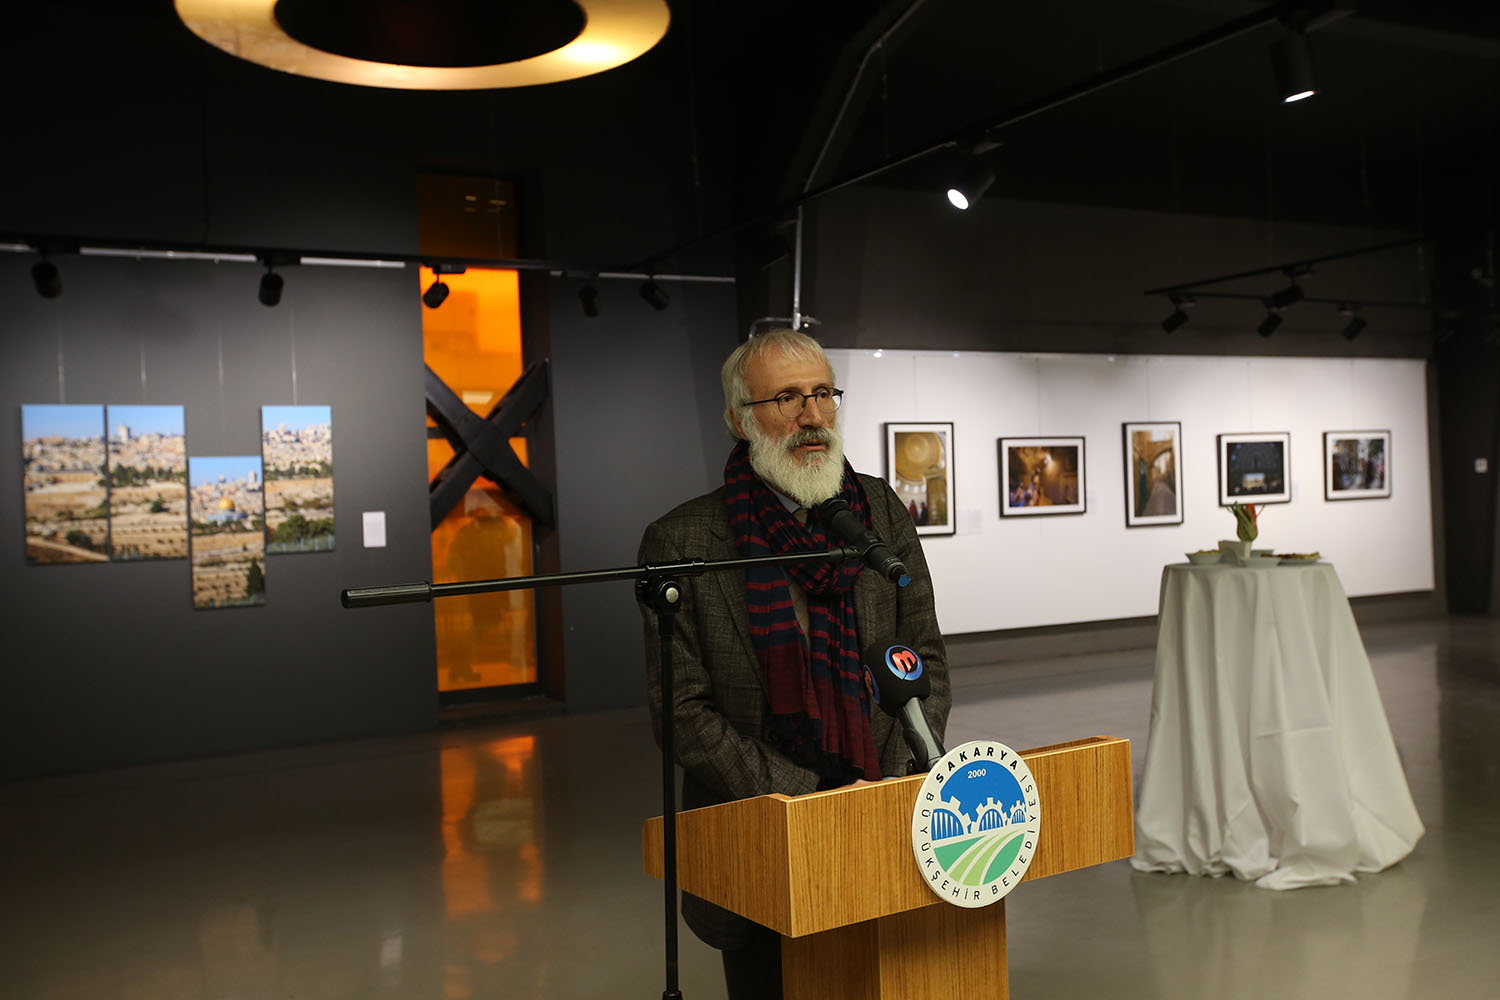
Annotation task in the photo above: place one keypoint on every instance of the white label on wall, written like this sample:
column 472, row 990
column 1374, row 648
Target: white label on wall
column 971, row 521
column 1481, row 465
column 374, row 529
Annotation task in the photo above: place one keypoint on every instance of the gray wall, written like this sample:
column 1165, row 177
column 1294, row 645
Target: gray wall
column 638, row 430
column 110, row 664
column 170, row 140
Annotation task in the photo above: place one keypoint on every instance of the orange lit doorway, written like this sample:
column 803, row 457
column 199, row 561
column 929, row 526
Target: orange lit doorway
column 486, row 644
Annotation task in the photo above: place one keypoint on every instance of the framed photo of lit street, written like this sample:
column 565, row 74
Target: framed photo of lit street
column 1255, row 468
column 1041, row 476
column 1356, row 465
column 919, row 467
column 1153, row 473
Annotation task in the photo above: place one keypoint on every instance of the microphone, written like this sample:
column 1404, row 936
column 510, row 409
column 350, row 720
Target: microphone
column 900, row 684
column 840, row 518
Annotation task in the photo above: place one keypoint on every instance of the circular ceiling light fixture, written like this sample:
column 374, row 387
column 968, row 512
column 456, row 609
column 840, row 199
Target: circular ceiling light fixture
column 432, row 45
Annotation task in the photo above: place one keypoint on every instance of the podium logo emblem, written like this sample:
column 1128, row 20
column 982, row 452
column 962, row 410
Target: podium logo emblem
column 976, row 823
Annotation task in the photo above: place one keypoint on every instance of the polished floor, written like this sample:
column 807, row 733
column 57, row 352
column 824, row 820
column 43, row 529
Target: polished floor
column 505, row 863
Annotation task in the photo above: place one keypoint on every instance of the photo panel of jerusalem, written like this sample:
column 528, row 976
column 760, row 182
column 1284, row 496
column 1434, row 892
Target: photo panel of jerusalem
column 66, row 494
column 297, row 445
column 227, row 506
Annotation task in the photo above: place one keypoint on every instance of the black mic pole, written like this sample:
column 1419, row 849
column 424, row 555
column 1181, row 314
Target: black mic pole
column 659, row 588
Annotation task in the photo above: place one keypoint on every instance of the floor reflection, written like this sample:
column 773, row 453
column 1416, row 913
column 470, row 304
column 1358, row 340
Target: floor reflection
column 492, row 853
column 504, row 863
column 1229, row 940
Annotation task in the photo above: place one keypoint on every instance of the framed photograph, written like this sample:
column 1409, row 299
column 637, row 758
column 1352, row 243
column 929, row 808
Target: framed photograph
column 1153, row 473
column 1041, row 475
column 1356, row 465
column 148, row 509
column 296, row 446
column 63, row 479
column 226, row 504
column 1255, row 468
column 919, row 467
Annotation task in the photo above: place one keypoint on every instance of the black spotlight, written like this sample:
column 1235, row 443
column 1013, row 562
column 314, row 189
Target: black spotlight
column 270, row 288
column 1292, row 61
column 588, row 297
column 1356, row 323
column 976, row 180
column 436, row 294
column 1269, row 325
column 655, row 294
column 45, row 276
column 1290, row 295
column 1179, row 316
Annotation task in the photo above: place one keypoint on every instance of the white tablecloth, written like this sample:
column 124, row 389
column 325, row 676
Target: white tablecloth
column 1269, row 754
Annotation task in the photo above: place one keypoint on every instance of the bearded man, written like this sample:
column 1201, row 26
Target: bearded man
column 769, row 692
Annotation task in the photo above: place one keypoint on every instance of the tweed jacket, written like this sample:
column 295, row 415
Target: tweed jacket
column 720, row 709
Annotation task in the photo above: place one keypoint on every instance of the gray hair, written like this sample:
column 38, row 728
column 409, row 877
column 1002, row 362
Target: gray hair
column 795, row 345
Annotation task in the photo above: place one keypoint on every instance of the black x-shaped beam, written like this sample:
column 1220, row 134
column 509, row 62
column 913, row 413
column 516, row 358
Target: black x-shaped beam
column 481, row 446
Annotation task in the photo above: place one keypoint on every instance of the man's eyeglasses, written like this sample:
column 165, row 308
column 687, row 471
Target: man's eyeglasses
column 791, row 404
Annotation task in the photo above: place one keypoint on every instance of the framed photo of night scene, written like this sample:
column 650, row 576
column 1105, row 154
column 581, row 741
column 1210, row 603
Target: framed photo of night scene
column 919, row 467
column 1356, row 465
column 1253, row 468
column 1153, row 473
column 1041, row 475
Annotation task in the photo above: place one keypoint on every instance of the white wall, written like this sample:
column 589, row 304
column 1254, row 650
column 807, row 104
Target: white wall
column 1023, row 572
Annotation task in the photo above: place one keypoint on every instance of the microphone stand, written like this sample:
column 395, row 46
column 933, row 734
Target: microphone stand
column 659, row 587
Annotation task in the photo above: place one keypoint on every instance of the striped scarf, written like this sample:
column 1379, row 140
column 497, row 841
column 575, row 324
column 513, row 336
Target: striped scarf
column 819, row 704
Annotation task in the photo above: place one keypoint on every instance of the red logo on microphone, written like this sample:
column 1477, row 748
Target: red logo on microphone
column 903, row 662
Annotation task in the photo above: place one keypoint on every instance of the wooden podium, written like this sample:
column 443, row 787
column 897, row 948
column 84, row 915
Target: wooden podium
column 833, row 872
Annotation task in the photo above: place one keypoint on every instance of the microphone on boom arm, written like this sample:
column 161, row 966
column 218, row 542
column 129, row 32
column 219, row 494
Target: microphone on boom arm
column 840, row 518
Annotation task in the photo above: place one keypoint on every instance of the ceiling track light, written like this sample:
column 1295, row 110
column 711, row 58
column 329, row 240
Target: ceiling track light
column 45, row 276
column 1288, row 296
column 271, row 283
column 1291, row 60
column 588, row 298
column 44, row 273
column 270, row 288
column 437, row 292
column 971, row 186
column 1270, row 324
column 1356, row 323
column 655, row 295
column 1181, row 302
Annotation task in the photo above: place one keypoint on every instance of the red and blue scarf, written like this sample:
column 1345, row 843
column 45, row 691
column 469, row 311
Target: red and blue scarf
column 820, row 714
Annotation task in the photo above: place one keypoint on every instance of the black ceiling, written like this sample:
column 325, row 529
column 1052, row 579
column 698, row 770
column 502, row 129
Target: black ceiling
column 1406, row 89
column 1407, row 96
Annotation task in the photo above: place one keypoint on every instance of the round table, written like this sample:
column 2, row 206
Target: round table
column 1269, row 754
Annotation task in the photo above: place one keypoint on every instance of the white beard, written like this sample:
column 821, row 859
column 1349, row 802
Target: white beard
column 809, row 481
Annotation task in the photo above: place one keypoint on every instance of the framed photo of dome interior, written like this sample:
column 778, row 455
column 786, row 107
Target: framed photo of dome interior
column 1255, row 468
column 919, row 467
